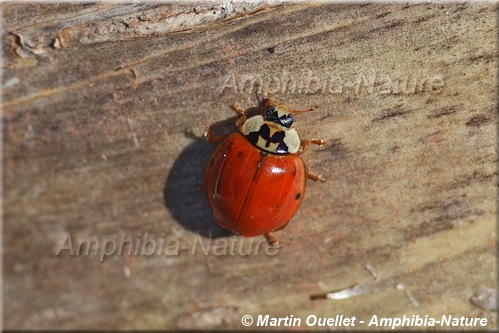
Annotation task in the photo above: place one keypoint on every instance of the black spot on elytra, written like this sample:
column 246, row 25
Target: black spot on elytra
column 240, row 156
column 298, row 196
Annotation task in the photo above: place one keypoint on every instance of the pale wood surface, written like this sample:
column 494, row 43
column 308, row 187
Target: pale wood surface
column 104, row 107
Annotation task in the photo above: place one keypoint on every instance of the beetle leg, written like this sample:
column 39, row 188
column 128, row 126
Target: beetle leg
column 242, row 116
column 273, row 240
column 306, row 143
column 315, row 177
column 217, row 139
column 238, row 109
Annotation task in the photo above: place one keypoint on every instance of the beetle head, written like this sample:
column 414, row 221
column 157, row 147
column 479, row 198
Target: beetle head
column 279, row 114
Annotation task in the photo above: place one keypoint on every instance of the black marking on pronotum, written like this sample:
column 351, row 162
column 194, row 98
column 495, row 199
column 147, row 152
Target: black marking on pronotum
column 298, row 196
column 264, row 132
column 285, row 120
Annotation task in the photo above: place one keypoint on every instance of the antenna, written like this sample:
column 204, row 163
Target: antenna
column 300, row 111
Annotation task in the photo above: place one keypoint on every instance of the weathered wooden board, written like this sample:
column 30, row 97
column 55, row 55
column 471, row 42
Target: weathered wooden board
column 104, row 107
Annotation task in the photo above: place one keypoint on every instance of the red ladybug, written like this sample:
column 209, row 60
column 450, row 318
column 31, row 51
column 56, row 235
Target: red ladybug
column 255, row 180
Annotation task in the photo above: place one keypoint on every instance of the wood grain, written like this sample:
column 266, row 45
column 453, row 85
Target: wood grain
column 104, row 107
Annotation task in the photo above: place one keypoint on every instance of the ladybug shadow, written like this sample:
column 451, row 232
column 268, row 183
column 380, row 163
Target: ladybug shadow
column 183, row 191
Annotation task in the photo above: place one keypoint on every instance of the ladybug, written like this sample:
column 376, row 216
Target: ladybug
column 255, row 179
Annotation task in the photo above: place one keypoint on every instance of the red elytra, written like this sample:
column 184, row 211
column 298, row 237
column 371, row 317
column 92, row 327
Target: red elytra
column 254, row 180
column 251, row 193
